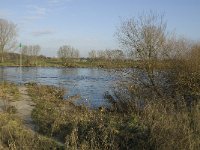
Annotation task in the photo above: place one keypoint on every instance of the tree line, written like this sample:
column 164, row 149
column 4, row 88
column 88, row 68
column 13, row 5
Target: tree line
column 29, row 53
column 115, row 54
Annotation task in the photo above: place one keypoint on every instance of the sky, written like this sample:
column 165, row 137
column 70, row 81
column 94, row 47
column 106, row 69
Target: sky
column 91, row 24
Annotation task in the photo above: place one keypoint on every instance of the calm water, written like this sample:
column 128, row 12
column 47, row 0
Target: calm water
column 91, row 84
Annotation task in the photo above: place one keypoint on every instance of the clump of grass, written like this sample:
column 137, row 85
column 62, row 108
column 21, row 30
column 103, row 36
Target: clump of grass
column 13, row 135
column 172, row 129
column 9, row 91
column 11, row 109
column 82, row 128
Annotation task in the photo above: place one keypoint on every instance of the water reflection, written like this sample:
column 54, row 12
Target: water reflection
column 2, row 74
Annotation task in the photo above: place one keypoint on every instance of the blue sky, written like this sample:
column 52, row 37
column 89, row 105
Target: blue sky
column 91, row 24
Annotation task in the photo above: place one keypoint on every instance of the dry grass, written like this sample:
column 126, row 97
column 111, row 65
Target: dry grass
column 13, row 135
column 170, row 129
column 9, row 91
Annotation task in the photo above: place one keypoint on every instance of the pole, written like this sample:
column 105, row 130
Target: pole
column 20, row 46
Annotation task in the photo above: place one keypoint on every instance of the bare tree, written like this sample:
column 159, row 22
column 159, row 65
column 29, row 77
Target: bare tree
column 108, row 54
column 76, row 53
column 30, row 54
column 25, row 54
column 35, row 49
column 101, row 54
column 8, row 35
column 117, row 54
column 67, row 52
column 92, row 54
column 145, row 39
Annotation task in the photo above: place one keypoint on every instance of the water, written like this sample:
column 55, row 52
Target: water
column 89, row 83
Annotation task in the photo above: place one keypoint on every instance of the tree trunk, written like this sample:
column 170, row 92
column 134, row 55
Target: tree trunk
column 2, row 59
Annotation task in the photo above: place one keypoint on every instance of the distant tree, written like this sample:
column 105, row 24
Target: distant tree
column 76, row 53
column 92, row 54
column 25, row 55
column 101, row 54
column 8, row 33
column 30, row 54
column 36, row 49
column 117, row 54
column 108, row 54
column 67, row 52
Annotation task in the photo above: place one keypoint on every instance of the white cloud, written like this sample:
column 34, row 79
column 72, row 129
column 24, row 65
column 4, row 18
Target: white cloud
column 42, row 32
column 35, row 12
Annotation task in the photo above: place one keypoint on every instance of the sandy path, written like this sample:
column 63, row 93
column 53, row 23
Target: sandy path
column 24, row 107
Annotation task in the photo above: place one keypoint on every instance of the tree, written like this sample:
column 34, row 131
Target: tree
column 35, row 52
column 30, row 54
column 8, row 35
column 67, row 52
column 25, row 53
column 92, row 54
column 145, row 39
column 101, row 54
column 117, row 54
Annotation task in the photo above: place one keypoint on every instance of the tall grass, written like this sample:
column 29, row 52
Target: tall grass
column 14, row 135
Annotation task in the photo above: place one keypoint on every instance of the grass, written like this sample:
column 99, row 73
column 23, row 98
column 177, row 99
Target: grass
column 159, row 125
column 80, row 127
column 9, row 91
column 13, row 135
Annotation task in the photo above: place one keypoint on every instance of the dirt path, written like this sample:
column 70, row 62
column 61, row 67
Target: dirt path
column 24, row 107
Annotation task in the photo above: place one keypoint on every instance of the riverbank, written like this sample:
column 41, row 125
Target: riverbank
column 60, row 124
column 73, row 63
column 17, row 129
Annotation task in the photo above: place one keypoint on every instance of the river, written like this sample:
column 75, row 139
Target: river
column 90, row 83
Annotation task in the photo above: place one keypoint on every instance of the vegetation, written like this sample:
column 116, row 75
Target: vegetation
column 8, row 35
column 14, row 135
column 82, row 128
column 8, row 90
column 30, row 54
column 13, row 59
column 166, row 100
column 67, row 54
column 158, row 109
column 8, row 93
